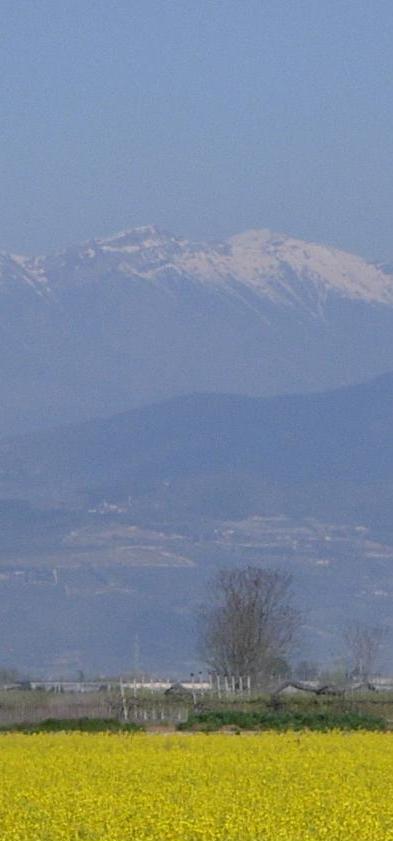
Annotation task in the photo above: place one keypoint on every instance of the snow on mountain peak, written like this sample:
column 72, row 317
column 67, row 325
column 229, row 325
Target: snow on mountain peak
column 264, row 256
column 282, row 269
column 141, row 237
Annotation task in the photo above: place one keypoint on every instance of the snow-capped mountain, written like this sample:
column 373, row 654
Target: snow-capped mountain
column 141, row 315
column 259, row 260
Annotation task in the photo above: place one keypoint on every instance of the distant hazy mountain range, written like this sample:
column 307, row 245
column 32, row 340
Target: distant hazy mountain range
column 143, row 315
column 291, row 444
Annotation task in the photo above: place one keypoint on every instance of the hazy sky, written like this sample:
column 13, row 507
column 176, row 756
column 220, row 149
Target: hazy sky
column 205, row 117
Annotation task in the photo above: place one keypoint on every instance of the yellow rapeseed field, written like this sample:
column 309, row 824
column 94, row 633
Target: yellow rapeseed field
column 265, row 787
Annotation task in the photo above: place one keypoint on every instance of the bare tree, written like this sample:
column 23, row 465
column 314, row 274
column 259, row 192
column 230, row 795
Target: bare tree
column 306, row 670
column 249, row 623
column 363, row 643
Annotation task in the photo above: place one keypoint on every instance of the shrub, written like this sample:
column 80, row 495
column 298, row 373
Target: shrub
column 283, row 720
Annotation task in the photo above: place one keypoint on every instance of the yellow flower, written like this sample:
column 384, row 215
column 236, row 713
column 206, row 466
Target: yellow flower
column 265, row 787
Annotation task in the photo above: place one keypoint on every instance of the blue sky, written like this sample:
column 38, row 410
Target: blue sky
column 205, row 117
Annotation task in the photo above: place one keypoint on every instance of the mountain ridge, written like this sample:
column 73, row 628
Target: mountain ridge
column 143, row 315
column 254, row 258
column 341, row 434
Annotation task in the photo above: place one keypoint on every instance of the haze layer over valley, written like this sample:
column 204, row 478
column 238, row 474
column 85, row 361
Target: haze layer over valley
column 111, row 528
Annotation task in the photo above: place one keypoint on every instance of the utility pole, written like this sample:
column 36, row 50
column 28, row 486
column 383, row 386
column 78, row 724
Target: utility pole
column 136, row 655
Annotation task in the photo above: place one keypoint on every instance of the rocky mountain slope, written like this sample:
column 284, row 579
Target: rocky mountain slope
column 143, row 315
